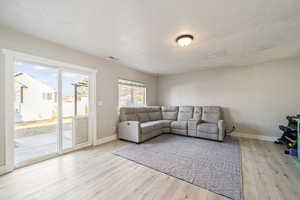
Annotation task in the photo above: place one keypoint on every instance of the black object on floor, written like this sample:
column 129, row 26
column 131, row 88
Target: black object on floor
column 289, row 136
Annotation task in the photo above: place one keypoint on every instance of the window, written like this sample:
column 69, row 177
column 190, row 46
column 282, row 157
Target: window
column 47, row 96
column 131, row 93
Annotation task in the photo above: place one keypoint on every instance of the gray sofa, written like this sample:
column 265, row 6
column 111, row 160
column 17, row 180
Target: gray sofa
column 138, row 124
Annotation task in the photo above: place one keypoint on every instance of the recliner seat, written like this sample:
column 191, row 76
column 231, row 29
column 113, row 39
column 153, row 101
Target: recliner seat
column 138, row 124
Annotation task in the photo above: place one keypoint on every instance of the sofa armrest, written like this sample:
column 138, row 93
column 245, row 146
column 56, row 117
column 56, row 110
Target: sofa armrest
column 221, row 127
column 192, row 124
column 130, row 130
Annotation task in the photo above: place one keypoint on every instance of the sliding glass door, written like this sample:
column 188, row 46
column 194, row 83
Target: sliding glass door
column 36, row 114
column 75, row 109
column 51, row 111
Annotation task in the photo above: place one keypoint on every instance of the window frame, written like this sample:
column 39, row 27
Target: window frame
column 9, row 57
column 47, row 96
column 131, row 83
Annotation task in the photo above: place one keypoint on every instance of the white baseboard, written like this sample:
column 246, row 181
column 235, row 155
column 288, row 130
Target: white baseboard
column 106, row 139
column 2, row 169
column 254, row 136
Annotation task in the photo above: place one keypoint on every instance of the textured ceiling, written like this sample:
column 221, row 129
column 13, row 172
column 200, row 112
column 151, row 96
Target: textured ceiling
column 141, row 33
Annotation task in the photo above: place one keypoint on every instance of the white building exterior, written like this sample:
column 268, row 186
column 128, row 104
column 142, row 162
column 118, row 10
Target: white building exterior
column 34, row 100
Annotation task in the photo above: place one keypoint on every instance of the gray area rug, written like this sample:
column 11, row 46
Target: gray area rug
column 208, row 164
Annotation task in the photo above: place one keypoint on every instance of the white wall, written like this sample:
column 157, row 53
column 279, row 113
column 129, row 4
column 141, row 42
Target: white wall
column 2, row 138
column 256, row 98
column 106, row 79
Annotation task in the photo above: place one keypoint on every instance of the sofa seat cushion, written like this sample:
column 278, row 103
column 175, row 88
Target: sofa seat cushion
column 207, row 128
column 165, row 123
column 179, row 125
column 154, row 125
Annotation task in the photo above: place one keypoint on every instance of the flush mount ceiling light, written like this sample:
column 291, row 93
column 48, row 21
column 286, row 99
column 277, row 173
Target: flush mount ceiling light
column 113, row 58
column 184, row 40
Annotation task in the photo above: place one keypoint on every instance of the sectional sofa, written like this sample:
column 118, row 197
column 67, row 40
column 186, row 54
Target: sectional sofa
column 138, row 124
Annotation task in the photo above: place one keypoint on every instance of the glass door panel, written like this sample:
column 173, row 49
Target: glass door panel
column 36, row 116
column 75, row 109
column 51, row 110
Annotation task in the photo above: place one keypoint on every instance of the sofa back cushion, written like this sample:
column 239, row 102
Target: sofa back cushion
column 154, row 113
column 141, row 114
column 169, row 112
column 185, row 113
column 143, row 117
column 197, row 112
column 128, row 114
column 211, row 114
column 154, row 116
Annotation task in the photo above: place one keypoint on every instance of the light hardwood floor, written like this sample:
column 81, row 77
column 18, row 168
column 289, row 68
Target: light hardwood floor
column 95, row 173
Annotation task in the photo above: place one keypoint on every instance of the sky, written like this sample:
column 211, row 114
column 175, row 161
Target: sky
column 49, row 76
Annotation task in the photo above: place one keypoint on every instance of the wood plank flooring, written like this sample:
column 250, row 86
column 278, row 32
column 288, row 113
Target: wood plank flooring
column 95, row 173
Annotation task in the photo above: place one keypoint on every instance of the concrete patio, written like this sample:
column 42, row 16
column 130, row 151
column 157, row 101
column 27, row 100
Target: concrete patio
column 31, row 147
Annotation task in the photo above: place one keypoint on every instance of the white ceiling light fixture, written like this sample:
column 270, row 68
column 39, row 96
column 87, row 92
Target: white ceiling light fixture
column 184, row 40
column 113, row 58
